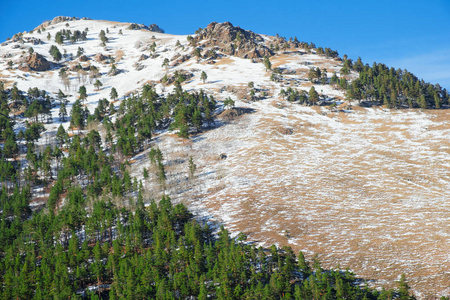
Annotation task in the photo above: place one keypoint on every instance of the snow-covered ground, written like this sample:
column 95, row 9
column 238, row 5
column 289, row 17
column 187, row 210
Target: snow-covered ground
column 367, row 190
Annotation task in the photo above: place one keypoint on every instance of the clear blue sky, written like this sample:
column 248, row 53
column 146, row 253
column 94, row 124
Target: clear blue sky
column 412, row 34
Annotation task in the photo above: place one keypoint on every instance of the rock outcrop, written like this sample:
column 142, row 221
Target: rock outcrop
column 155, row 28
column 152, row 27
column 35, row 62
column 143, row 57
column 58, row 19
column 99, row 57
column 233, row 40
column 83, row 58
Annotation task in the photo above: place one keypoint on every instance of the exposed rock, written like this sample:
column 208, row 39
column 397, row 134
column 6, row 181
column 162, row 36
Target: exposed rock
column 143, row 57
column 180, row 59
column 61, row 19
column 114, row 72
column 24, row 67
column 58, row 19
column 138, row 66
column 134, row 26
column 175, row 56
column 33, row 40
column 152, row 27
column 83, row 58
column 155, row 28
column 233, row 40
column 35, row 62
column 99, row 57
column 181, row 75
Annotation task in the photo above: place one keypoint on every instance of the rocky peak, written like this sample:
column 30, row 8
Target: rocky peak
column 233, row 40
column 229, row 33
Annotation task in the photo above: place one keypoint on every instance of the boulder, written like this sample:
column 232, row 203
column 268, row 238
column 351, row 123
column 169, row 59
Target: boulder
column 83, row 58
column 99, row 57
column 36, row 62
column 143, row 57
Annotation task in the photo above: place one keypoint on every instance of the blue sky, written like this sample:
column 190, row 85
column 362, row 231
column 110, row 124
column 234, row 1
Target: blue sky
column 403, row 34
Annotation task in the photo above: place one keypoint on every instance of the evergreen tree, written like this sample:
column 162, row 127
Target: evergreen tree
column 267, row 63
column 82, row 93
column 62, row 112
column 98, row 84
column 203, row 77
column 113, row 95
column 192, row 168
column 313, row 95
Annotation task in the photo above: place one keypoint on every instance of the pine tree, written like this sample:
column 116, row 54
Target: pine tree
column 203, row 77
column 113, row 95
column 165, row 63
column 62, row 112
column 267, row 63
column 192, row 168
column 98, row 84
column 103, row 37
column 83, row 93
column 313, row 95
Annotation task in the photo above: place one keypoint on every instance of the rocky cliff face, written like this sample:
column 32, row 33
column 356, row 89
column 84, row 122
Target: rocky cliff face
column 233, row 40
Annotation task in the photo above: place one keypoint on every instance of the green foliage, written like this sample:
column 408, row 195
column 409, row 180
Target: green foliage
column 267, row 63
column 192, row 168
column 228, row 103
column 103, row 38
column 82, row 93
column 98, row 84
column 313, row 95
column 113, row 95
column 156, row 252
column 54, row 52
column 393, row 88
column 165, row 63
column 203, row 76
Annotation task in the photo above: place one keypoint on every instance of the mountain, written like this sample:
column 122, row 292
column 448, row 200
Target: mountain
column 346, row 163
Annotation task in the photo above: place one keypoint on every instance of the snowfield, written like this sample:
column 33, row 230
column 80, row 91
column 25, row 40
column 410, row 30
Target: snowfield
column 368, row 189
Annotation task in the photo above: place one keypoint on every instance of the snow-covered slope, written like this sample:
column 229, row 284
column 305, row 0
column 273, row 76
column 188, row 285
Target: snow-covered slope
column 367, row 189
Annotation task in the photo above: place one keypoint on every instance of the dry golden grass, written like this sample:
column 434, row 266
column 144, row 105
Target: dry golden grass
column 119, row 54
column 224, row 61
column 340, row 204
column 280, row 60
column 112, row 22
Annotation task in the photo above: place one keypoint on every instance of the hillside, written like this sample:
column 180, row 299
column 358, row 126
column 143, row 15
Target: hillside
column 339, row 174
